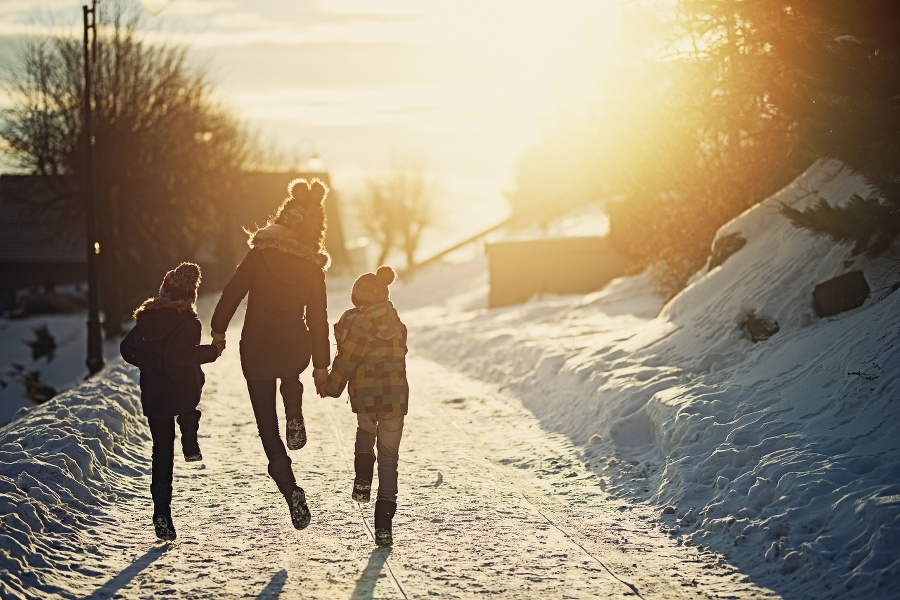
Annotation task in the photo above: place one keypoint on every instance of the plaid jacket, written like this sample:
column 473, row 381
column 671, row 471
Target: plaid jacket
column 370, row 360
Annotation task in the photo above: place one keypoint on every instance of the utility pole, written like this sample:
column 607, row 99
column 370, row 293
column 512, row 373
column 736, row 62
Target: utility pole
column 94, row 339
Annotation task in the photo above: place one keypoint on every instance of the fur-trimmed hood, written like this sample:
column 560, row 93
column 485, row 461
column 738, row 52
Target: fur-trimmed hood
column 283, row 239
column 157, row 302
column 157, row 318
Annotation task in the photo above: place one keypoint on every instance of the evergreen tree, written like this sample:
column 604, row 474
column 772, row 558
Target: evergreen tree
column 847, row 106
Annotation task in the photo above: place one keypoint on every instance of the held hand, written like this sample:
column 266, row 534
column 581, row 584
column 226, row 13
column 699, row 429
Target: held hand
column 216, row 336
column 220, row 346
column 319, row 377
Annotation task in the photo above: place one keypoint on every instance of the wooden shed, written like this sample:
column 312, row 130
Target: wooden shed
column 520, row 270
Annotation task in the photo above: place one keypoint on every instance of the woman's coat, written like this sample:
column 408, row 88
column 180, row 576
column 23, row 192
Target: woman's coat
column 286, row 322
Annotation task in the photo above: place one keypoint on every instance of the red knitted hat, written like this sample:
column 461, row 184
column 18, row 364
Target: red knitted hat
column 181, row 283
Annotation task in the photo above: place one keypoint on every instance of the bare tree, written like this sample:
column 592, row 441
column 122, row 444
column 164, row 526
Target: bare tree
column 398, row 208
column 167, row 156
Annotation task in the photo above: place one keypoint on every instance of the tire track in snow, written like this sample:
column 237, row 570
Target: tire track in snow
column 534, row 506
column 501, row 472
column 569, row 496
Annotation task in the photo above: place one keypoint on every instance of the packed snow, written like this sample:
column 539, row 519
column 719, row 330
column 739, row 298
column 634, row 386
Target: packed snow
column 575, row 446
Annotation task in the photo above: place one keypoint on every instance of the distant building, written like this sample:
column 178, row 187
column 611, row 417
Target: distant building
column 42, row 237
column 43, row 240
column 520, row 270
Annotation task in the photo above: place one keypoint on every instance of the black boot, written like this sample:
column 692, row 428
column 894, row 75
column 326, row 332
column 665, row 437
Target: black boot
column 384, row 513
column 295, row 433
column 280, row 470
column 364, row 463
column 300, row 515
column 162, row 523
column 190, row 424
column 161, row 491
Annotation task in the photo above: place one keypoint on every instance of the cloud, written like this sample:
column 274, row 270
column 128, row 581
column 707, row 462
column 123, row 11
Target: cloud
column 267, row 65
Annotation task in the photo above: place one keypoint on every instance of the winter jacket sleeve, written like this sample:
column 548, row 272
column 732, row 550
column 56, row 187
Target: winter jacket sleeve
column 351, row 350
column 128, row 348
column 317, row 322
column 184, row 346
column 234, row 291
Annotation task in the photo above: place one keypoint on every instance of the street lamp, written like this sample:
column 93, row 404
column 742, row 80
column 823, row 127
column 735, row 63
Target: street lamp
column 94, row 341
column 94, row 360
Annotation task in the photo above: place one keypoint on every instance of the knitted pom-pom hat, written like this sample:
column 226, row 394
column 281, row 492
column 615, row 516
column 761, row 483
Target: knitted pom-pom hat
column 303, row 211
column 181, row 283
column 371, row 288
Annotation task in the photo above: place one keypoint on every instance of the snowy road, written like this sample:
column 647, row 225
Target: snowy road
column 490, row 505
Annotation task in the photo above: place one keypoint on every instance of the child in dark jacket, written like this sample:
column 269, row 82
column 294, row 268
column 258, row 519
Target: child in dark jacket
column 371, row 362
column 165, row 345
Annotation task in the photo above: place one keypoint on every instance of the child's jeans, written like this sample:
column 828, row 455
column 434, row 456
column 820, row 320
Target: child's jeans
column 385, row 429
column 162, row 430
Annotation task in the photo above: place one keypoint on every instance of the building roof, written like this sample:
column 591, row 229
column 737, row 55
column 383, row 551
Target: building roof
column 36, row 226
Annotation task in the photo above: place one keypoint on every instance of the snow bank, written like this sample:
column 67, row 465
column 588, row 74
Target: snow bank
column 781, row 454
column 58, row 465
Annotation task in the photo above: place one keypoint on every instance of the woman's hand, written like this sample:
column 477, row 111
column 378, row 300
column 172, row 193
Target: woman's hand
column 319, row 377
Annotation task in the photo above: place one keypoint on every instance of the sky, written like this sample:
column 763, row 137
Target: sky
column 548, row 444
column 458, row 87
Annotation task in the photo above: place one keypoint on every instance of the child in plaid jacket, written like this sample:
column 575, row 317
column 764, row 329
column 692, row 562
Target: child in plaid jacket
column 371, row 363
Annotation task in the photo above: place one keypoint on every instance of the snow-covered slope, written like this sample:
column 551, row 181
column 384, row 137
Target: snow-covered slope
column 62, row 465
column 782, row 454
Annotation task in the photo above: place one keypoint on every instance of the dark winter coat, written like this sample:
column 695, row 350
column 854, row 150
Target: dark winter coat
column 371, row 360
column 286, row 321
column 165, row 345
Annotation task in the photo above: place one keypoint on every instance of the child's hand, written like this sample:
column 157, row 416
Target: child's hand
column 220, row 346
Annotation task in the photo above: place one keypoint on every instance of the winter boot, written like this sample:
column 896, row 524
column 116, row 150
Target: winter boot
column 300, row 515
column 190, row 424
column 292, row 395
column 161, row 492
column 364, row 464
column 296, row 433
column 280, row 471
column 384, row 513
column 162, row 522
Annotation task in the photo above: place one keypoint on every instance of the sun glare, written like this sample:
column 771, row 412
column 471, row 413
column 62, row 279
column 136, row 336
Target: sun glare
column 462, row 85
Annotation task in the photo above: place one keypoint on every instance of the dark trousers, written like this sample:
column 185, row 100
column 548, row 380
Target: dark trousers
column 262, row 397
column 162, row 431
